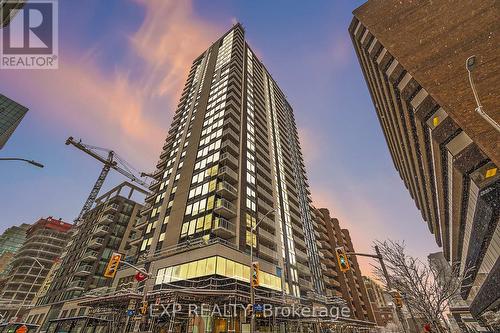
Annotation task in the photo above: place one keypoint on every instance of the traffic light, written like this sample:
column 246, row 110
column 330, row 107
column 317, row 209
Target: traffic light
column 255, row 274
column 398, row 300
column 342, row 259
column 140, row 276
column 113, row 264
column 144, row 308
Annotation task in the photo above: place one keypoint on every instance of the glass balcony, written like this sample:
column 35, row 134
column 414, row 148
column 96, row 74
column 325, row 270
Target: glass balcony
column 90, row 256
column 225, row 208
column 77, row 285
column 228, row 159
column 107, row 219
column 225, row 190
column 227, row 174
column 84, row 270
column 223, row 228
column 96, row 243
column 102, row 230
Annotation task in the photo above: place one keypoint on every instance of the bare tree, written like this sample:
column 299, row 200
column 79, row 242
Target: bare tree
column 428, row 289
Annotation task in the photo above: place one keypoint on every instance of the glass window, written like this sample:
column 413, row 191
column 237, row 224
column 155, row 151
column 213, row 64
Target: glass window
column 238, row 271
column 176, row 273
column 221, row 266
column 201, row 268
column 159, row 276
column 168, row 275
column 192, row 269
column 230, row 268
column 183, row 271
column 211, row 266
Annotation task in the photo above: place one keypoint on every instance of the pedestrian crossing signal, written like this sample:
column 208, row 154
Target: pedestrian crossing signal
column 342, row 259
column 113, row 264
column 255, row 280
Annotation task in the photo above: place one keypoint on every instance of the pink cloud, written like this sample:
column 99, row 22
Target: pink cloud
column 118, row 110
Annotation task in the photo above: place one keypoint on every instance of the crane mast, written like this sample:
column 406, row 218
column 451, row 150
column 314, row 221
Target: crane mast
column 110, row 162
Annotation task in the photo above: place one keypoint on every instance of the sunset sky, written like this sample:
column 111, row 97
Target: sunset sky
column 122, row 66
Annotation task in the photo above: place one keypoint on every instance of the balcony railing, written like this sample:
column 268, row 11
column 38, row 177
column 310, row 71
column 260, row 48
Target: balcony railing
column 134, row 239
column 224, row 189
column 96, row 242
column 227, row 174
column 74, row 285
column 225, row 208
column 267, row 253
column 102, row 230
column 90, row 256
column 83, row 270
column 224, row 228
column 228, row 159
column 106, row 219
column 111, row 208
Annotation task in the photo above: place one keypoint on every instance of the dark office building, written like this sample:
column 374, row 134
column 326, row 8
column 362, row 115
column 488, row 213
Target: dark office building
column 11, row 114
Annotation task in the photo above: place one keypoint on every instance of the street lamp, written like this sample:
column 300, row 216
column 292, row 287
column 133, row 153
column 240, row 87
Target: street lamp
column 35, row 163
column 31, row 288
column 470, row 63
column 252, row 292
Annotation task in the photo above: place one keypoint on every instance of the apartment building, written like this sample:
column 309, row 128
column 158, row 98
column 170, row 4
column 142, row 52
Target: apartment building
column 348, row 285
column 44, row 244
column 105, row 229
column 384, row 311
column 445, row 152
column 231, row 160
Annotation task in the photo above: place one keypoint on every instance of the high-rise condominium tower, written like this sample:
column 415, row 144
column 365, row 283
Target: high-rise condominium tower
column 447, row 153
column 231, row 160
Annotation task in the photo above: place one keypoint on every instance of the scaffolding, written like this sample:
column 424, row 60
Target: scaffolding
column 212, row 304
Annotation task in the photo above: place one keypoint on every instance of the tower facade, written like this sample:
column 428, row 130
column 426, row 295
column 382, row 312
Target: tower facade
column 347, row 285
column 231, row 162
column 445, row 152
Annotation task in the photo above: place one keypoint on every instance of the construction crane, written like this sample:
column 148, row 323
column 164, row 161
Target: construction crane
column 111, row 161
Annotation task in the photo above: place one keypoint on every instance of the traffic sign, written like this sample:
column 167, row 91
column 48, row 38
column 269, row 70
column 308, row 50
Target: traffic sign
column 22, row 329
column 258, row 307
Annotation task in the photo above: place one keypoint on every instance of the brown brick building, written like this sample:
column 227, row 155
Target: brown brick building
column 383, row 311
column 446, row 153
column 348, row 285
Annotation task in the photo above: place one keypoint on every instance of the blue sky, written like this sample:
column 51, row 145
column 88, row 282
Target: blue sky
column 122, row 67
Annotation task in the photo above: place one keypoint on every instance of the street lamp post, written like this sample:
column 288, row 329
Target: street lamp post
column 252, row 292
column 35, row 163
column 31, row 288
